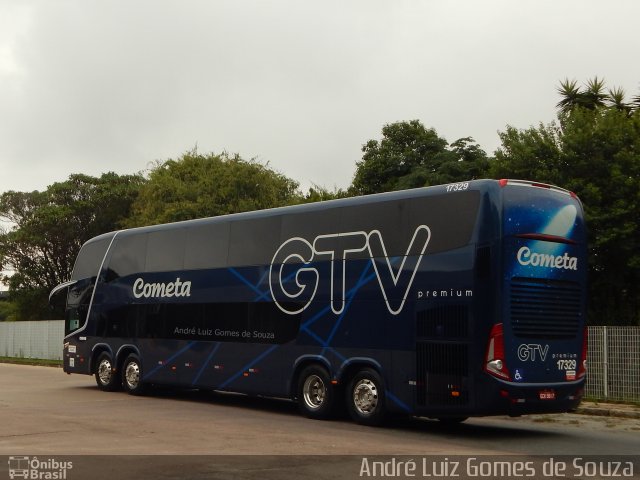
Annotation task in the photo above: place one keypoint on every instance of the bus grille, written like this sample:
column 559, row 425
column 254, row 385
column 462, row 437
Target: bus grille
column 442, row 373
column 442, row 355
column 545, row 308
column 443, row 321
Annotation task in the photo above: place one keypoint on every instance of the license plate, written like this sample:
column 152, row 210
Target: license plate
column 547, row 394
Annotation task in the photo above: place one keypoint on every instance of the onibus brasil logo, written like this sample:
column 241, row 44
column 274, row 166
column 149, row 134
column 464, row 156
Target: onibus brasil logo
column 293, row 278
column 38, row 469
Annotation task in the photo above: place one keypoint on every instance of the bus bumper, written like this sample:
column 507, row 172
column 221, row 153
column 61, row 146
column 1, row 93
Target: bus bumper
column 519, row 399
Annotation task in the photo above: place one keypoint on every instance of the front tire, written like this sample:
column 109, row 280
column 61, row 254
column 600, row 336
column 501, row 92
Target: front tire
column 132, row 375
column 316, row 394
column 105, row 373
column 366, row 398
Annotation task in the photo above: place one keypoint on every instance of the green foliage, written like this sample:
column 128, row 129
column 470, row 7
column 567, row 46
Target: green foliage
column 321, row 194
column 603, row 149
column 196, row 186
column 410, row 155
column 595, row 152
column 50, row 227
column 32, row 361
column 8, row 311
column 534, row 153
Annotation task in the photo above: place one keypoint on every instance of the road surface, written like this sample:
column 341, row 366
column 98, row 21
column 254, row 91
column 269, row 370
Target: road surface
column 46, row 413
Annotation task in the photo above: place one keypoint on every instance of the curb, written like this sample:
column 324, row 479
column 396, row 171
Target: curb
column 608, row 412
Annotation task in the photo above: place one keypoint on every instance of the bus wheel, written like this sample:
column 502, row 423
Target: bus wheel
column 105, row 373
column 316, row 394
column 366, row 398
column 132, row 375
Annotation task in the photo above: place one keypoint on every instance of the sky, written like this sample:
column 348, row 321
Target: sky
column 90, row 86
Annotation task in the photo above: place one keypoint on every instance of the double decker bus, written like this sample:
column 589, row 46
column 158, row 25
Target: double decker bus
column 451, row 301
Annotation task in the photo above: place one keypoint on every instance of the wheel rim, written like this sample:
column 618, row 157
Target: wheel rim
column 365, row 396
column 105, row 372
column 314, row 392
column 132, row 375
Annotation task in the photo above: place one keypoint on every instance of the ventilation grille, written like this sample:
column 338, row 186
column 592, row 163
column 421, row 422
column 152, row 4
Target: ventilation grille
column 544, row 308
column 443, row 321
column 442, row 373
column 442, row 355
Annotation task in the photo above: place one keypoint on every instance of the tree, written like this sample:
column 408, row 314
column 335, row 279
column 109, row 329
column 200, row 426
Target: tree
column 636, row 102
column 571, row 95
column 318, row 193
column 196, row 186
column 594, row 151
column 534, row 153
column 49, row 228
column 616, row 99
column 8, row 310
column 592, row 96
column 410, row 155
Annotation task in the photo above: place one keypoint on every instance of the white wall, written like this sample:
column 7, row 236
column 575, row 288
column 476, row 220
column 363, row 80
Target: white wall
column 38, row 339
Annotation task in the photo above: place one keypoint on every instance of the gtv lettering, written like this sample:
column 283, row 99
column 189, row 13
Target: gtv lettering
column 532, row 352
column 300, row 285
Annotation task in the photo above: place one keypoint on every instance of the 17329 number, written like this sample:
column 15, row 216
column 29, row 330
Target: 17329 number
column 457, row 187
column 567, row 364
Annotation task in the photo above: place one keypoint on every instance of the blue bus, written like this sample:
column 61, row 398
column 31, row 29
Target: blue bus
column 450, row 301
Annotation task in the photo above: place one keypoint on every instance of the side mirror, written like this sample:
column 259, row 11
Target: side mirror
column 57, row 300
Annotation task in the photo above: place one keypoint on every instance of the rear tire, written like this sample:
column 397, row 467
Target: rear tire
column 366, row 398
column 316, row 395
column 106, row 376
column 132, row 375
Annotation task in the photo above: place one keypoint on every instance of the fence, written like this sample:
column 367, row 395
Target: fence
column 613, row 359
column 613, row 363
column 42, row 339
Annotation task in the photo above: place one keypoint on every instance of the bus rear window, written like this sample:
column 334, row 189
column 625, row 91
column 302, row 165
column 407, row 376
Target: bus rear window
column 542, row 213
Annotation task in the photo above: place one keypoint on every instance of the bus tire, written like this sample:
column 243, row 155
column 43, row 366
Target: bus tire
column 366, row 398
column 316, row 394
column 105, row 373
column 132, row 375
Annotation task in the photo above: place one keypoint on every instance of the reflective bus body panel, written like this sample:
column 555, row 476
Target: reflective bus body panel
column 409, row 283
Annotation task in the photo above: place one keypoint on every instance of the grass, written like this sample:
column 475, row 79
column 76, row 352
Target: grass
column 32, row 361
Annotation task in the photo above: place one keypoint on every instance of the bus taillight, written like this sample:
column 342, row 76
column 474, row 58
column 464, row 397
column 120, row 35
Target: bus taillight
column 582, row 367
column 495, row 358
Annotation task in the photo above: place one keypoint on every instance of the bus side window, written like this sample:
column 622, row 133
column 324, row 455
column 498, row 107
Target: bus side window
column 78, row 300
column 73, row 319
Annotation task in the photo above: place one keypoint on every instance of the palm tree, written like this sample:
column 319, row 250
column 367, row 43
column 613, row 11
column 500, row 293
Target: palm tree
column 570, row 94
column 594, row 96
column 636, row 103
column 616, row 99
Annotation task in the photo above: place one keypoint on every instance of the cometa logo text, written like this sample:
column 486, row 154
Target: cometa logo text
column 161, row 290
column 534, row 259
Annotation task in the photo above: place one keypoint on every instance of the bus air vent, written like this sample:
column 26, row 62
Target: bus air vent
column 442, row 368
column 442, row 355
column 443, row 321
column 545, row 308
